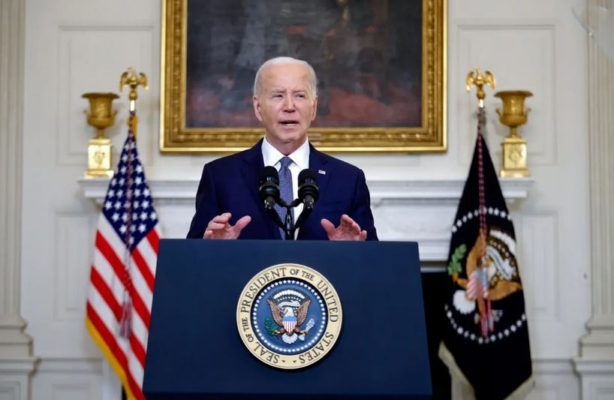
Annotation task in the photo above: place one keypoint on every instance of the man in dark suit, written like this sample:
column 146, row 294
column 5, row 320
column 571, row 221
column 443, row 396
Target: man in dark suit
column 227, row 202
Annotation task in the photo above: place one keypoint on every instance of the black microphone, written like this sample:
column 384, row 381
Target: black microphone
column 269, row 187
column 308, row 191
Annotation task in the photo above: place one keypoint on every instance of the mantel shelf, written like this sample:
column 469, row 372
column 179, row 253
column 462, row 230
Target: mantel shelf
column 447, row 190
column 421, row 197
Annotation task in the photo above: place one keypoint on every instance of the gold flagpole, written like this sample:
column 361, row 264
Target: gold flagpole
column 130, row 78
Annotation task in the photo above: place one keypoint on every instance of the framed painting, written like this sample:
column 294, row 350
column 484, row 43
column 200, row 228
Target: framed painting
column 380, row 66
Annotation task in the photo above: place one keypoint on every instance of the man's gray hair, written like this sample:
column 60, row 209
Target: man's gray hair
column 313, row 80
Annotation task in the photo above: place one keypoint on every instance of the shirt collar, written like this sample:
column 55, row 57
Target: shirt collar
column 271, row 155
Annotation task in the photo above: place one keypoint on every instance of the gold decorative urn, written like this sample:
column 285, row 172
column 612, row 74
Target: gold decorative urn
column 99, row 148
column 514, row 146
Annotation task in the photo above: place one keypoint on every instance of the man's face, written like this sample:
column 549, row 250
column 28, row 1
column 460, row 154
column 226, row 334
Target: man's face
column 286, row 106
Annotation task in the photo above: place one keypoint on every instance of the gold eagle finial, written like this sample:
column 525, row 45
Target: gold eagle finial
column 477, row 79
column 130, row 78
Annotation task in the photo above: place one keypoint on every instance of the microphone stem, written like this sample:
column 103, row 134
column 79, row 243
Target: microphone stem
column 289, row 225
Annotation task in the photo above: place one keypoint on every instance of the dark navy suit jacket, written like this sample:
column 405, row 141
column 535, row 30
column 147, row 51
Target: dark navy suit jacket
column 230, row 184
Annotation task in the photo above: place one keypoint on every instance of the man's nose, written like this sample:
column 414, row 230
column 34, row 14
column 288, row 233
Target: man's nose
column 289, row 104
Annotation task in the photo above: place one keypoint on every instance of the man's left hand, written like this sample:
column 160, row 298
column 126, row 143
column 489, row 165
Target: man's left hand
column 348, row 229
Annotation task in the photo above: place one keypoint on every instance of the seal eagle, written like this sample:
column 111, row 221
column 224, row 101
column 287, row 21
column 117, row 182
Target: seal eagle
column 287, row 321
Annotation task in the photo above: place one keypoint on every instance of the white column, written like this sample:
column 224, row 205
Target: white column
column 16, row 361
column 596, row 362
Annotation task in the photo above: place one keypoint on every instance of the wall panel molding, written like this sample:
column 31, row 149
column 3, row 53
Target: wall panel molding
column 497, row 47
column 72, row 258
column 86, row 56
column 69, row 379
column 540, row 265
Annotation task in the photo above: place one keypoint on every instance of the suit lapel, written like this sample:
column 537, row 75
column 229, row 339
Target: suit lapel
column 250, row 169
column 317, row 163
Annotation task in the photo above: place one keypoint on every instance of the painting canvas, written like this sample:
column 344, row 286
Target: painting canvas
column 379, row 65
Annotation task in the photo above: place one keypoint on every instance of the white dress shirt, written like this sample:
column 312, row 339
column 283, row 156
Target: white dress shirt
column 300, row 161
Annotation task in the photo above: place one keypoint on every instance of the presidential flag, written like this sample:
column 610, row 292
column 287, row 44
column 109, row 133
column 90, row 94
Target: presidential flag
column 123, row 270
column 485, row 339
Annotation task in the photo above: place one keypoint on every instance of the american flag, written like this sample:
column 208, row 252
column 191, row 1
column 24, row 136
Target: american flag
column 123, row 271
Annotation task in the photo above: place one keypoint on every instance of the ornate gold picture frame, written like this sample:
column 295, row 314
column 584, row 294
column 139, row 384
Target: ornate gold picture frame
column 381, row 67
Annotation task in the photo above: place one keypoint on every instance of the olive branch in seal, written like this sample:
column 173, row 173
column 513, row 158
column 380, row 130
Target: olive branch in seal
column 270, row 326
column 455, row 266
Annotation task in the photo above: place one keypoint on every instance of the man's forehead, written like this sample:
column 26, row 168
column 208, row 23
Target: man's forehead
column 286, row 71
column 281, row 76
column 281, row 81
column 286, row 68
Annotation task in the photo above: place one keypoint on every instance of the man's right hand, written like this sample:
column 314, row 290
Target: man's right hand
column 220, row 228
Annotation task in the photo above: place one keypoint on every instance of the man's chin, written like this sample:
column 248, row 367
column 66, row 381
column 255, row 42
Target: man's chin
column 289, row 129
column 290, row 136
column 293, row 140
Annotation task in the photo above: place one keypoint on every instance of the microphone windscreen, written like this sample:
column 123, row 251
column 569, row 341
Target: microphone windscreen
column 308, row 186
column 307, row 175
column 269, row 173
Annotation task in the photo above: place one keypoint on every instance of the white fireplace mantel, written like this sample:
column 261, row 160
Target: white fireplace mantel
column 440, row 190
column 405, row 210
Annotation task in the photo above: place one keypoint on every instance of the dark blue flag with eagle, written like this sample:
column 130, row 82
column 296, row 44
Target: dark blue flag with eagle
column 485, row 339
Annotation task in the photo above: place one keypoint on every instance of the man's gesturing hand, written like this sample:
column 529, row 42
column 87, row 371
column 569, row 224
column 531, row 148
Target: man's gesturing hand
column 220, row 228
column 347, row 229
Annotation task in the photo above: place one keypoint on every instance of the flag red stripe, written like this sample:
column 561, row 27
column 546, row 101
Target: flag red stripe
column 108, row 253
column 136, row 389
column 140, row 307
column 106, row 293
column 107, row 336
column 138, row 350
column 119, row 268
column 141, row 264
column 154, row 240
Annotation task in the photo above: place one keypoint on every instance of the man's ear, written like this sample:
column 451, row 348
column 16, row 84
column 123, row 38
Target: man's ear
column 256, row 104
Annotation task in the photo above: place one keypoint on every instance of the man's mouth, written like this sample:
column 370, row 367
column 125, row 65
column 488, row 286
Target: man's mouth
column 289, row 123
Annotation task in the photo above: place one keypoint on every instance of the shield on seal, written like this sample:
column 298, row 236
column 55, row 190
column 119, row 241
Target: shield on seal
column 289, row 321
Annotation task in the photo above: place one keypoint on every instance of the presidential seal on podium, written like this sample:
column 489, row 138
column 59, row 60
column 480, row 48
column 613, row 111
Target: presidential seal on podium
column 289, row 316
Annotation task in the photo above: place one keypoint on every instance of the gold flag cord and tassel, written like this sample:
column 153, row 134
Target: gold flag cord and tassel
column 477, row 287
